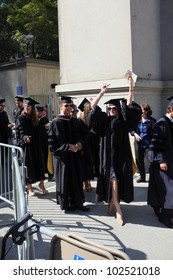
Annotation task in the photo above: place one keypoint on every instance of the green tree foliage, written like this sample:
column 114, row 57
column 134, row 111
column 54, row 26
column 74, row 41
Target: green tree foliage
column 7, row 45
column 19, row 18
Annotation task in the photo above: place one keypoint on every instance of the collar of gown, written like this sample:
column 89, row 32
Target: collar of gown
column 65, row 117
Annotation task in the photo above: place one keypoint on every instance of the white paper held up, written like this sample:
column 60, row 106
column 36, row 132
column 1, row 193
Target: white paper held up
column 133, row 75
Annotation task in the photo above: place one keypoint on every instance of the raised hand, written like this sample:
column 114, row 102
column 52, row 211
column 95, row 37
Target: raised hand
column 104, row 88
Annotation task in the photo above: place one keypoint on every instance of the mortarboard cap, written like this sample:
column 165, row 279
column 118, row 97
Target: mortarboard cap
column 40, row 108
column 30, row 101
column 19, row 98
column 115, row 102
column 66, row 99
column 171, row 100
column 2, row 100
column 83, row 103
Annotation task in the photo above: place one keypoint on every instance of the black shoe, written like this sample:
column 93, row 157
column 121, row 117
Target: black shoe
column 51, row 179
column 166, row 221
column 157, row 210
column 83, row 208
column 70, row 209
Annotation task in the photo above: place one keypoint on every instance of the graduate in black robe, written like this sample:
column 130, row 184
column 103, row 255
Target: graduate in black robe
column 65, row 143
column 115, row 179
column 16, row 112
column 87, row 153
column 5, row 125
column 28, row 136
column 160, row 190
column 19, row 107
column 43, row 124
column 5, row 133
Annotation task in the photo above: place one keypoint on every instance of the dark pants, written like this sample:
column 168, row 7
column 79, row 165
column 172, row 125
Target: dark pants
column 141, row 154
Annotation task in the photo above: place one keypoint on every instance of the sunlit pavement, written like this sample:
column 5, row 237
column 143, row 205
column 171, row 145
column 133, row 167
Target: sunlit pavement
column 142, row 237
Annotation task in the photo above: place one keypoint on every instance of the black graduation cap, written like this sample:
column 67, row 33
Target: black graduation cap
column 2, row 100
column 30, row 101
column 40, row 108
column 114, row 102
column 171, row 100
column 66, row 99
column 83, row 103
column 19, row 98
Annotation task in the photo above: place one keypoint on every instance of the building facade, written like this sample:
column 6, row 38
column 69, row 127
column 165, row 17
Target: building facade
column 100, row 40
column 29, row 77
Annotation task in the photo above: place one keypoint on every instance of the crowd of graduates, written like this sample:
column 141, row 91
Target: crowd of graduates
column 95, row 144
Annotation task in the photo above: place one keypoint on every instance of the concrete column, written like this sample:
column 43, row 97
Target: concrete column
column 100, row 40
column 95, row 40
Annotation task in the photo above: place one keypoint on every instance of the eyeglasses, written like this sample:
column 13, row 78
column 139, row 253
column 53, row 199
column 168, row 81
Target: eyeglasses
column 68, row 105
column 112, row 108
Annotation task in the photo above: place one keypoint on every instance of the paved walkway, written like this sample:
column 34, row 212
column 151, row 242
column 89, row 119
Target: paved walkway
column 142, row 237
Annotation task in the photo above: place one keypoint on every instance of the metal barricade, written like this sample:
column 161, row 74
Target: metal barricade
column 13, row 193
column 12, row 188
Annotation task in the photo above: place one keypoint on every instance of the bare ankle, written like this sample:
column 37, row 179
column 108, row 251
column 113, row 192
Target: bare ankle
column 30, row 188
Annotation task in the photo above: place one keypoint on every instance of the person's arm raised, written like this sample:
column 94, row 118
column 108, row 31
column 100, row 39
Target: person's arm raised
column 96, row 100
column 131, row 91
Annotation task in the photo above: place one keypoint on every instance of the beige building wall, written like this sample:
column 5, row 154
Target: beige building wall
column 40, row 75
column 145, row 31
column 34, row 78
column 100, row 40
column 90, row 33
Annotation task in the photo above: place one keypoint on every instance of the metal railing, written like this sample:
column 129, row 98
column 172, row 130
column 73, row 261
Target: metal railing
column 14, row 194
column 12, row 188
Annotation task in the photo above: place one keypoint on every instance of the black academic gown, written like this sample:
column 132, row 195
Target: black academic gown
column 32, row 151
column 87, row 156
column 114, row 151
column 17, row 112
column 67, row 164
column 4, row 130
column 44, row 139
column 160, row 191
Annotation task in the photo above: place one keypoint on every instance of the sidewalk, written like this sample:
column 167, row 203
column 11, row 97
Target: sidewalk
column 142, row 237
